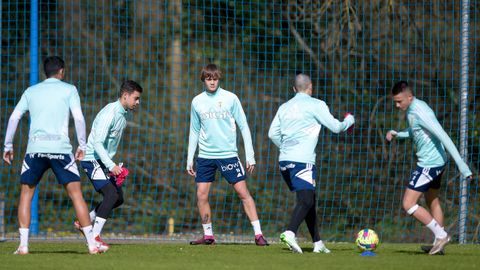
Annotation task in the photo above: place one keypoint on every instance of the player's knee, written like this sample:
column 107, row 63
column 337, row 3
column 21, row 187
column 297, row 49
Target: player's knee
column 410, row 209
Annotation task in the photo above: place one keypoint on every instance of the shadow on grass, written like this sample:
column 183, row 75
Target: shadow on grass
column 59, row 252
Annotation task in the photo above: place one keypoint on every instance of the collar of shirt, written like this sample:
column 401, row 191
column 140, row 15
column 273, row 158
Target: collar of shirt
column 120, row 107
column 412, row 105
column 300, row 94
column 213, row 93
column 52, row 80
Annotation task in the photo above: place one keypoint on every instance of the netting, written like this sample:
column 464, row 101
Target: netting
column 353, row 50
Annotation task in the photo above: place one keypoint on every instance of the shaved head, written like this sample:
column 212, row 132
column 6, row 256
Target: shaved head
column 302, row 82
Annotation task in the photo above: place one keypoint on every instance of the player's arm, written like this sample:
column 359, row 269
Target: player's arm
column 100, row 131
column 324, row 117
column 274, row 133
column 241, row 120
column 13, row 121
column 192, row 139
column 406, row 133
column 433, row 126
column 79, row 121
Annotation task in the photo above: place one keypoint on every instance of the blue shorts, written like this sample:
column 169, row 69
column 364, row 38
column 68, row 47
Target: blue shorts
column 230, row 168
column 62, row 165
column 423, row 179
column 97, row 173
column 298, row 176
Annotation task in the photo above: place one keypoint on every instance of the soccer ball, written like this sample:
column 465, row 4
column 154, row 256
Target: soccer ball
column 367, row 240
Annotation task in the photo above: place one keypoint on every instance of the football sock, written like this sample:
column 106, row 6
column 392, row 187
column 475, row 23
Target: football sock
column 256, row 227
column 88, row 232
column 436, row 229
column 93, row 215
column 23, row 236
column 305, row 200
column 318, row 244
column 207, row 229
column 98, row 226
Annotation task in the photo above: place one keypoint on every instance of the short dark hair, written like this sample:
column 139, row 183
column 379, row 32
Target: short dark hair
column 129, row 86
column 400, row 87
column 52, row 65
column 211, row 71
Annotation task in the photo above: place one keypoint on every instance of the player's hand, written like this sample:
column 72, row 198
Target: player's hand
column 390, row 135
column 350, row 129
column 80, row 154
column 191, row 171
column 250, row 168
column 8, row 156
column 116, row 170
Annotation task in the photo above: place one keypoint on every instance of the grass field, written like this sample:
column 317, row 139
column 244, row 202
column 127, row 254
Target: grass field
column 57, row 255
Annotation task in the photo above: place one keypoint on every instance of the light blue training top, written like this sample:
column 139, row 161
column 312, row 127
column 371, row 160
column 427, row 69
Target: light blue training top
column 213, row 121
column 49, row 104
column 297, row 124
column 106, row 133
column 430, row 138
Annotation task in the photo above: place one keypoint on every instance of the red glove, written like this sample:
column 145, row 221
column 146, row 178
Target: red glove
column 119, row 179
column 350, row 129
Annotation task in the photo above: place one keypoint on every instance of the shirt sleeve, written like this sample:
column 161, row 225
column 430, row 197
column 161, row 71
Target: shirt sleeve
column 241, row 119
column 403, row 134
column 324, row 117
column 102, row 125
column 433, row 126
column 79, row 120
column 274, row 133
column 193, row 136
column 13, row 121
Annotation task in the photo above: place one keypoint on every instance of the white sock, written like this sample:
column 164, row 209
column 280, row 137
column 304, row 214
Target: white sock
column 98, row 226
column 256, row 227
column 88, row 231
column 93, row 215
column 207, row 229
column 318, row 244
column 23, row 236
column 436, row 229
column 289, row 233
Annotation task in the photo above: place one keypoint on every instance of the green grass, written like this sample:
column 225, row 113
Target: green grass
column 56, row 255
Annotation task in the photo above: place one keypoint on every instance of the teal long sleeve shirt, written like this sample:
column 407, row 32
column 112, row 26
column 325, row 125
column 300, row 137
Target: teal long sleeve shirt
column 106, row 133
column 296, row 127
column 213, row 121
column 430, row 138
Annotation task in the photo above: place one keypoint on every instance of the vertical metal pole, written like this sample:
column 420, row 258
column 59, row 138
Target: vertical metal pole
column 464, row 47
column 34, row 80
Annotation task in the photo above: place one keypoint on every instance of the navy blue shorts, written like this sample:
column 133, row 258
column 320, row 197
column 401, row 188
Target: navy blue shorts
column 298, row 176
column 423, row 179
column 36, row 164
column 230, row 168
column 97, row 173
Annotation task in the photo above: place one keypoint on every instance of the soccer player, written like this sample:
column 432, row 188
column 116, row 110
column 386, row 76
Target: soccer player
column 430, row 141
column 295, row 130
column 49, row 104
column 214, row 113
column 103, row 141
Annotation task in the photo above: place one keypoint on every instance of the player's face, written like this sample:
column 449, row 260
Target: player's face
column 403, row 100
column 211, row 84
column 132, row 100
